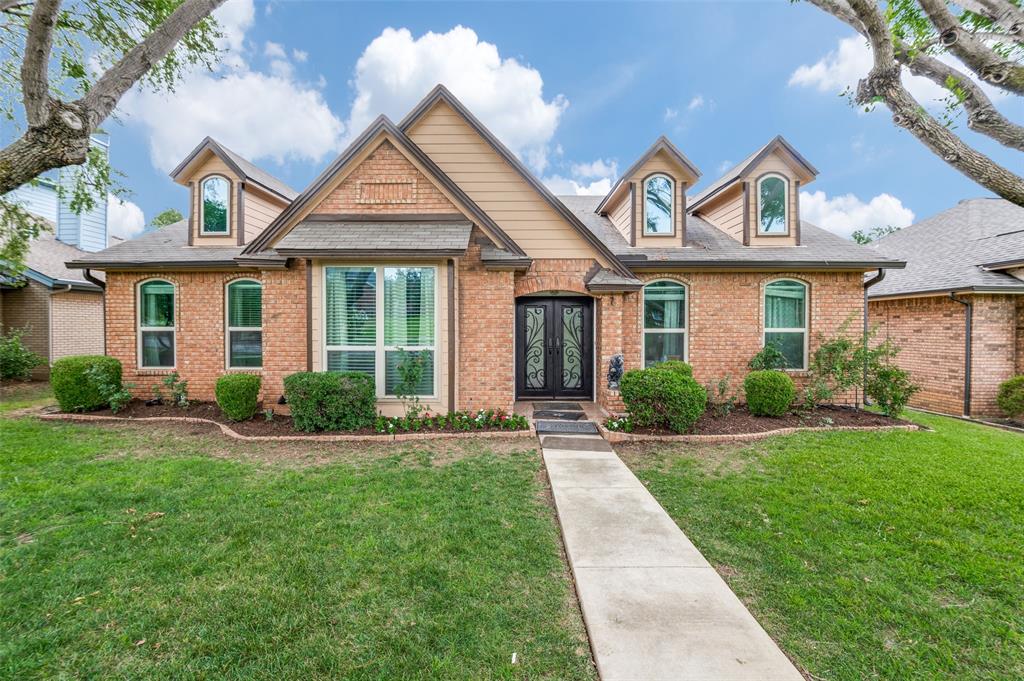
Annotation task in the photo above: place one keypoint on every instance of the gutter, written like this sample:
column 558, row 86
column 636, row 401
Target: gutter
column 645, row 264
column 868, row 284
column 968, row 321
column 93, row 280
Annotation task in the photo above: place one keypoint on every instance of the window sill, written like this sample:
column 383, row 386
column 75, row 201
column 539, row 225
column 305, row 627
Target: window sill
column 155, row 371
column 244, row 370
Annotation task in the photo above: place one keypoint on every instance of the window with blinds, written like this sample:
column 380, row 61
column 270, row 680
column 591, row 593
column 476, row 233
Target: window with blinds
column 785, row 320
column 245, row 324
column 664, row 322
column 376, row 318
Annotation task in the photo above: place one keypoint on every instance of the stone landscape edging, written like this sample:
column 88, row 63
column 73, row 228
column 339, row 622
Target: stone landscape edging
column 227, row 430
column 614, row 436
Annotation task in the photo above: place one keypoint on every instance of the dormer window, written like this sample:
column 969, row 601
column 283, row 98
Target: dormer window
column 658, row 205
column 772, row 204
column 216, row 206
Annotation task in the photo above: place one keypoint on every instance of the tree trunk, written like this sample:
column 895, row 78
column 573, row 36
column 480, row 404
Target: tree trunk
column 62, row 141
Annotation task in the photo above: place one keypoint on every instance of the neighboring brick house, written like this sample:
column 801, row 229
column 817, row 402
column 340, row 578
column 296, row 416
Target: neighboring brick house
column 429, row 239
column 957, row 310
column 59, row 310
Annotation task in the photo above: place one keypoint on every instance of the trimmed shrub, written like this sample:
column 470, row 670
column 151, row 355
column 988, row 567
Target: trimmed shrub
column 662, row 398
column 329, row 400
column 238, row 395
column 1010, row 397
column 890, row 388
column 81, row 382
column 769, row 357
column 17, row 361
column 676, row 365
column 769, row 392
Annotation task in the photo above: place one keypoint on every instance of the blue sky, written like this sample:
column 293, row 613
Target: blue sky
column 579, row 90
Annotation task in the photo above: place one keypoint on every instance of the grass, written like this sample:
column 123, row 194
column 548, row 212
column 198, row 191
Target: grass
column 865, row 555
column 21, row 395
column 139, row 552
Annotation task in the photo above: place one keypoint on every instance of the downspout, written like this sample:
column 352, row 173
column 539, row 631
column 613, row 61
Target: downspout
column 93, row 280
column 868, row 284
column 968, row 321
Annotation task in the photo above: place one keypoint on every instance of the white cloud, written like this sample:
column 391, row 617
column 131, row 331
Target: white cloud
column 845, row 214
column 396, row 70
column 124, row 218
column 258, row 114
column 841, row 68
column 562, row 186
column 671, row 114
column 725, row 165
column 300, row 56
column 695, row 103
column 274, row 50
column 599, row 168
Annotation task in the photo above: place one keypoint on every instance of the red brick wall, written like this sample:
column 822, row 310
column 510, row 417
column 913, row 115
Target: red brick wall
column 386, row 182
column 486, row 331
column 930, row 333
column 1019, row 368
column 28, row 308
column 200, row 341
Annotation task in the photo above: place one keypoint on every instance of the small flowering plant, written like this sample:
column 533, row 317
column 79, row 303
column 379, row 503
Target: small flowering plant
column 460, row 421
column 620, row 424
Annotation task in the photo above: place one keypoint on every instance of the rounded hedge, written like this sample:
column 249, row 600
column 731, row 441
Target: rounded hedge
column 75, row 389
column 769, row 392
column 664, row 398
column 331, row 400
column 238, row 395
column 1010, row 397
column 677, row 366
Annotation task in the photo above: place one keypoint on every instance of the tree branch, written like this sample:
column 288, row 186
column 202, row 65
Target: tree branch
column 972, row 51
column 35, row 81
column 119, row 78
column 884, row 83
column 8, row 5
column 982, row 115
column 1004, row 14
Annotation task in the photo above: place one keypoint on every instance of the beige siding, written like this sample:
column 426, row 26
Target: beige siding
column 76, row 324
column 213, row 165
column 497, row 188
column 726, row 212
column 659, row 163
column 260, row 210
column 389, row 407
column 773, row 164
column 621, row 215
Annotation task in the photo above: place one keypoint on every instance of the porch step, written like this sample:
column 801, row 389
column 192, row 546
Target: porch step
column 566, row 427
column 562, row 406
column 558, row 415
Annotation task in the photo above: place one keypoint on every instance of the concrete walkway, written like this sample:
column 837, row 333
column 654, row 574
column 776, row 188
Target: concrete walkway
column 654, row 608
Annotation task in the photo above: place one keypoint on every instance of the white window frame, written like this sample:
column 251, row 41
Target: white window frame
column 138, row 325
column 785, row 203
column 228, row 328
column 685, row 331
column 672, row 212
column 227, row 215
column 807, row 318
column 379, row 348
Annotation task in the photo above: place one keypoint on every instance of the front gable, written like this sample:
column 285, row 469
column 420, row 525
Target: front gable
column 497, row 182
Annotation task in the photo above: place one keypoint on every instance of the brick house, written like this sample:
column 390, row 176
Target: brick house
column 957, row 310
column 59, row 310
column 428, row 240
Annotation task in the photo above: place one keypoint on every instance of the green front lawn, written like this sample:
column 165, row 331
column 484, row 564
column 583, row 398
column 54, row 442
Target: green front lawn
column 150, row 552
column 865, row 555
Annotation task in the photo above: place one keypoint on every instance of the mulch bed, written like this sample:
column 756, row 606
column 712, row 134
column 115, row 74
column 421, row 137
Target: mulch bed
column 741, row 421
column 258, row 425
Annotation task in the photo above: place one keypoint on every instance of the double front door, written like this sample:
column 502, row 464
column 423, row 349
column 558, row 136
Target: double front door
column 554, row 348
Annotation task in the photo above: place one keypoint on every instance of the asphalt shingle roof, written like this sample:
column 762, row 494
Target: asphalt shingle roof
column 946, row 252
column 47, row 255
column 708, row 245
column 165, row 246
column 254, row 172
column 370, row 237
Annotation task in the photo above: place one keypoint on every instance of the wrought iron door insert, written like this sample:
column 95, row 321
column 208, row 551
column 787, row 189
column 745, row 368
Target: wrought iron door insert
column 554, row 348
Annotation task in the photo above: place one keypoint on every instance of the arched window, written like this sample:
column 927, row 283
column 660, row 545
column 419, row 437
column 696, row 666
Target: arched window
column 664, row 322
column 245, row 324
column 772, row 205
column 785, row 320
column 156, row 324
column 658, row 205
column 215, row 197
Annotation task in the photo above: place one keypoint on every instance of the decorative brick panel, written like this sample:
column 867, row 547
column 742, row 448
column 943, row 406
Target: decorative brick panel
column 386, row 182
